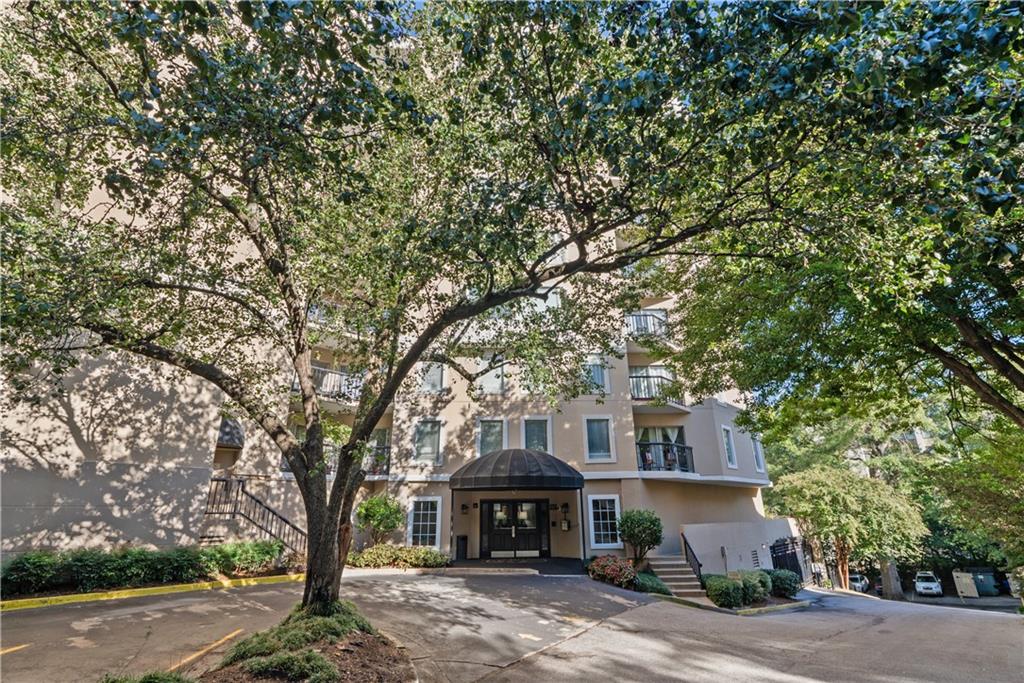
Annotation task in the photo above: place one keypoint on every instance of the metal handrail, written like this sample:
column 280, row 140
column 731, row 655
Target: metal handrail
column 378, row 460
column 664, row 456
column 691, row 558
column 230, row 497
column 646, row 387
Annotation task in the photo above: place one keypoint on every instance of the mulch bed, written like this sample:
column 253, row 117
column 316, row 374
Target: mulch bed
column 360, row 658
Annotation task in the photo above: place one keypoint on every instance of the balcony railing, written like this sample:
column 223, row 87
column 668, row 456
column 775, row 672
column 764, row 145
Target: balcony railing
column 378, row 460
column 335, row 384
column 658, row 456
column 645, row 324
column 647, row 387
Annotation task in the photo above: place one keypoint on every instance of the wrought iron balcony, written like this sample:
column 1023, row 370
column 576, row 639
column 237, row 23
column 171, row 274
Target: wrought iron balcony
column 657, row 456
column 335, row 384
column 644, row 387
column 378, row 461
column 643, row 323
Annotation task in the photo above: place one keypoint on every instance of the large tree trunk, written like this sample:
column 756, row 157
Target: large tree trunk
column 843, row 565
column 892, row 589
column 323, row 561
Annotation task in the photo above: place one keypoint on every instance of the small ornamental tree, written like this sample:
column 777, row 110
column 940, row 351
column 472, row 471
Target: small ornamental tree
column 379, row 516
column 642, row 530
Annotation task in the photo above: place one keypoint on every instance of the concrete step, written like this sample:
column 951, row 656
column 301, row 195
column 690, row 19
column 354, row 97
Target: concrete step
column 689, row 593
column 680, row 582
column 674, row 572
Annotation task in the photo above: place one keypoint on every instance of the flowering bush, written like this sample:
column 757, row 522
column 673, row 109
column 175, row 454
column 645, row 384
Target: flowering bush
column 614, row 570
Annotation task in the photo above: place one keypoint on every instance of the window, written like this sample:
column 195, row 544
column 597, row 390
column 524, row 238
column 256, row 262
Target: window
column 730, row 450
column 424, row 522
column 604, row 521
column 427, row 442
column 331, row 453
column 537, row 433
column 490, row 435
column 758, row 456
column 494, row 381
column 599, row 438
column 595, row 374
column 432, row 379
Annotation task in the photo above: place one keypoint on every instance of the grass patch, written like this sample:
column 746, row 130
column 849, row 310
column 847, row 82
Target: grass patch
column 294, row 666
column 297, row 631
column 151, row 677
column 647, row 582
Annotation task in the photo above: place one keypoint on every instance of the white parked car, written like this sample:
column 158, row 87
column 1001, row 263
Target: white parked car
column 925, row 583
column 859, row 582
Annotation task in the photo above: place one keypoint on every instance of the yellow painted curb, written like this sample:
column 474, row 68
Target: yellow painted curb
column 31, row 603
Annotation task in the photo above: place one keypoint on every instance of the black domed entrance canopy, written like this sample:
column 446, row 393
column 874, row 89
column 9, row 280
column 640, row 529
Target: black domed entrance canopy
column 516, row 468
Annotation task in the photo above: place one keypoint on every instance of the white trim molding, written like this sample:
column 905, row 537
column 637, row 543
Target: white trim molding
column 478, row 435
column 522, row 430
column 590, row 518
column 437, row 519
column 684, row 477
column 611, row 440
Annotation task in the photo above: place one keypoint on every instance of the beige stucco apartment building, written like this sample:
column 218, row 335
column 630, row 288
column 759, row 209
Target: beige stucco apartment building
column 127, row 456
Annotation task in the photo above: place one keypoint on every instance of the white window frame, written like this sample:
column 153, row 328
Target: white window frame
column 759, row 463
column 597, row 359
column 590, row 515
column 437, row 521
column 440, row 441
column 479, row 431
column 522, row 430
column 484, row 360
column 423, row 390
column 611, row 439
column 729, row 444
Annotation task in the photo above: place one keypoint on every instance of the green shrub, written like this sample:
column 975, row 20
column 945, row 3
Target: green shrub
column 785, row 584
column 293, row 666
column 649, row 583
column 404, row 557
column 92, row 569
column 151, row 677
column 32, row 572
column 245, row 557
column 642, row 530
column 723, row 591
column 617, row 571
column 379, row 515
column 753, row 590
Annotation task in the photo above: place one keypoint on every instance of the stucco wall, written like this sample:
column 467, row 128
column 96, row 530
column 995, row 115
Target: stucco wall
column 739, row 541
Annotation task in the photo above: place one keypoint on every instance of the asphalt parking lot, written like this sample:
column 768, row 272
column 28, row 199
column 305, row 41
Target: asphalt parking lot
column 533, row 628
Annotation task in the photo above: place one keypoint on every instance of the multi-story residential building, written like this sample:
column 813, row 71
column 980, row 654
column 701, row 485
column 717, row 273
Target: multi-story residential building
column 484, row 471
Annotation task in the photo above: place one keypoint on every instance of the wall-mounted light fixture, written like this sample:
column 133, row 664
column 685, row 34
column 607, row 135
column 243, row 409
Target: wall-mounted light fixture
column 465, row 509
column 565, row 517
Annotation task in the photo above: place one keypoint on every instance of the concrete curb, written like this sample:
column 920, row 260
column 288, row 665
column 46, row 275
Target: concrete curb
column 439, row 571
column 32, row 603
column 745, row 612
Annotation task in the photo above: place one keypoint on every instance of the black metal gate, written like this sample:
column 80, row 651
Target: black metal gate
column 785, row 555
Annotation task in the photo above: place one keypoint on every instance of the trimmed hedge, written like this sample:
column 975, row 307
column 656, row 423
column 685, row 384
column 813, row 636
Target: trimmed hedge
column 785, row 584
column 89, row 570
column 617, row 571
column 403, row 557
column 723, row 591
column 649, row 583
column 757, row 586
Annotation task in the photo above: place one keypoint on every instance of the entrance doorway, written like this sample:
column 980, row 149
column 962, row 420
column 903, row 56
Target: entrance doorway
column 514, row 528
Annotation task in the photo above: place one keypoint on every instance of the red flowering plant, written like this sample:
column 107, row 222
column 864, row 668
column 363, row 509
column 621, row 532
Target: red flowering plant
column 617, row 571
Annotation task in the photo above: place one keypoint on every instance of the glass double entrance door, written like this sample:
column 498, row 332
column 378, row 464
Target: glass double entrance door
column 514, row 528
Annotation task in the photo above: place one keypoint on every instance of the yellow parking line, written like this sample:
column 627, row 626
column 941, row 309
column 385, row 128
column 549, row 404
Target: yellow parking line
column 15, row 648
column 197, row 655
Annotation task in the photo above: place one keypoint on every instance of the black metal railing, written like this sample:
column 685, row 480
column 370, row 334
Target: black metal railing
column 645, row 387
column 377, row 460
column 644, row 324
column 691, row 558
column 335, row 384
column 230, row 497
column 662, row 456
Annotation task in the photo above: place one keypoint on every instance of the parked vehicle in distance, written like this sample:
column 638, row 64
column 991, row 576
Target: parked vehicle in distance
column 925, row 583
column 859, row 582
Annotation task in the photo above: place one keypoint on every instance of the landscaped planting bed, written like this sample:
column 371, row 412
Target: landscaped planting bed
column 620, row 572
column 402, row 557
column 83, row 571
column 759, row 588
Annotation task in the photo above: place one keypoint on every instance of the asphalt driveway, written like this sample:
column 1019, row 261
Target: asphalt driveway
column 534, row 628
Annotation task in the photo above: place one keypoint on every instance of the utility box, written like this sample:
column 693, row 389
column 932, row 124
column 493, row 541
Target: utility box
column 461, row 548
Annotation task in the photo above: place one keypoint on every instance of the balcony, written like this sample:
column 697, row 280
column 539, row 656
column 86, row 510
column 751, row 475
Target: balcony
column 377, row 462
column 335, row 385
column 647, row 323
column 648, row 385
column 652, row 456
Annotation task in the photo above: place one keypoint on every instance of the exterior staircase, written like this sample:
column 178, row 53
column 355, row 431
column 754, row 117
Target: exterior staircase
column 230, row 500
column 676, row 573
